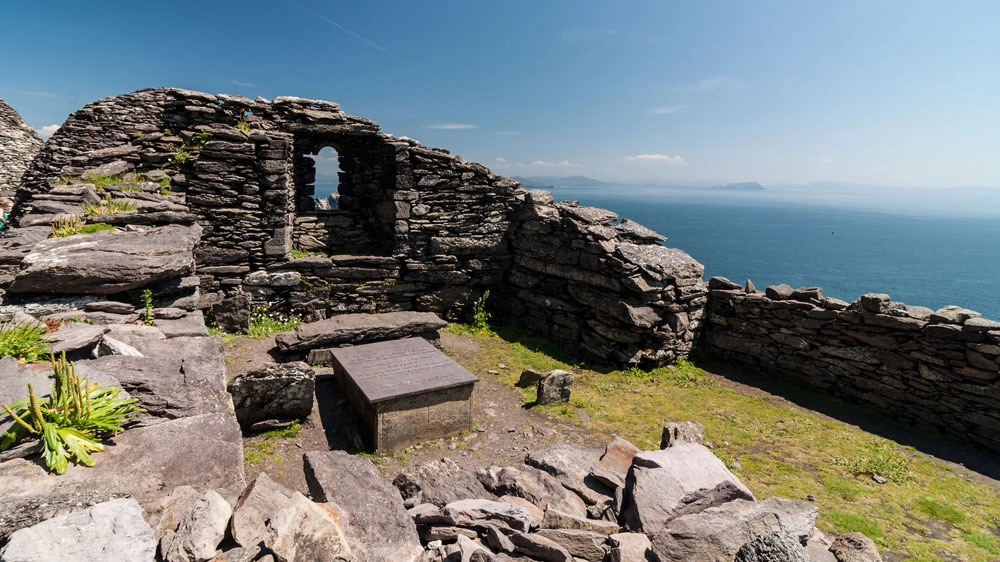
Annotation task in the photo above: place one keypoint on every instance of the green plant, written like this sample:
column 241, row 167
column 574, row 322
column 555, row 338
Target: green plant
column 72, row 422
column 108, row 206
column 79, row 320
column 64, row 227
column 181, row 156
column 146, row 298
column 101, row 182
column 243, row 125
column 481, row 318
column 263, row 322
column 297, row 253
column 23, row 340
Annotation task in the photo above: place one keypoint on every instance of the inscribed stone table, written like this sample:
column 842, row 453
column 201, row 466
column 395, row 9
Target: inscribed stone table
column 407, row 391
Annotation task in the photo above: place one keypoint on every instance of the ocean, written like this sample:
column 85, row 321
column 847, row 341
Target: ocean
column 915, row 255
column 923, row 253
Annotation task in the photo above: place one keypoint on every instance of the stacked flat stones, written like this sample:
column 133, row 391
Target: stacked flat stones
column 933, row 368
column 19, row 144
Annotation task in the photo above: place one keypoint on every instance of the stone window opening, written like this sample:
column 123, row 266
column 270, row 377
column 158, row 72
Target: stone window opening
column 325, row 186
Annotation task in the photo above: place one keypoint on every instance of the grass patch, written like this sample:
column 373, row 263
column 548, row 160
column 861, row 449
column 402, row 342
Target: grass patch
column 257, row 452
column 292, row 430
column 843, row 488
column 852, row 523
column 261, row 448
column 941, row 511
column 108, row 206
column 877, row 457
column 264, row 323
column 775, row 448
column 63, row 227
column 102, row 182
column 989, row 543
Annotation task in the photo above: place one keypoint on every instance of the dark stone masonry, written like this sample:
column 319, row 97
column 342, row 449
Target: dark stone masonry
column 935, row 369
column 19, row 144
column 416, row 228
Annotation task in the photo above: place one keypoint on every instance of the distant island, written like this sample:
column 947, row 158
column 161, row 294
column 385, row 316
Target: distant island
column 745, row 186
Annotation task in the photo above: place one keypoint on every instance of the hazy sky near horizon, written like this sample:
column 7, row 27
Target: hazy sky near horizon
column 886, row 92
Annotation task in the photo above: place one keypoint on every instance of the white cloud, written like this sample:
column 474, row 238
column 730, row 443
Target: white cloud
column 451, row 126
column 47, row 131
column 501, row 159
column 825, row 160
column 717, row 83
column 243, row 84
column 656, row 159
column 667, row 110
column 560, row 164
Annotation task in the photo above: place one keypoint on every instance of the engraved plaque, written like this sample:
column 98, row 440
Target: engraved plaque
column 406, row 391
column 394, row 369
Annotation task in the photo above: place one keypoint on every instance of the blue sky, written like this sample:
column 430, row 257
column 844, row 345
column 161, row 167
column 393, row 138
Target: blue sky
column 903, row 93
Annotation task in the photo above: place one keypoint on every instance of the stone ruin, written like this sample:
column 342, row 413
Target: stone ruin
column 19, row 144
column 416, row 228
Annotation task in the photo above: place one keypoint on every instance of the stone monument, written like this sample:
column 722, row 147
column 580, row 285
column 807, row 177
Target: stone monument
column 406, row 391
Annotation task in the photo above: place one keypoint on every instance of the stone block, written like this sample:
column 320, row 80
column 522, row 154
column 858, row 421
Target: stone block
column 406, row 391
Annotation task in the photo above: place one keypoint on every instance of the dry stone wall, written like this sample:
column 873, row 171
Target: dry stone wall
column 19, row 144
column 609, row 289
column 416, row 228
column 932, row 368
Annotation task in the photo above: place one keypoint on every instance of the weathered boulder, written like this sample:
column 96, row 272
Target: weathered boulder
column 73, row 336
column 358, row 329
column 532, row 484
column 581, row 544
column 530, row 377
column 440, row 483
column 233, row 314
column 255, row 507
column 200, row 531
column 380, row 528
column 23, row 512
column 682, row 479
column 477, row 512
column 571, row 466
column 177, row 378
column 773, row 547
column 538, row 547
column 282, row 391
column 629, row 547
column 676, row 432
column 554, row 387
column 106, row 263
column 855, row 547
column 144, row 461
column 613, row 467
column 555, row 519
column 717, row 533
column 113, row 531
column 302, row 531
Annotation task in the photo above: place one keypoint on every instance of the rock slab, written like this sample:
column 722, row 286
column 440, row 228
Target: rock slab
column 112, row 531
column 106, row 263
